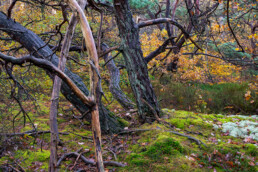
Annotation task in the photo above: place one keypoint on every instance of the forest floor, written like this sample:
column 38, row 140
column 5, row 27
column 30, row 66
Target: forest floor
column 191, row 142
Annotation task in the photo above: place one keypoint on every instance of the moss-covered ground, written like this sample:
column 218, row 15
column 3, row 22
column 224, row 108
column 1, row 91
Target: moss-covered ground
column 152, row 147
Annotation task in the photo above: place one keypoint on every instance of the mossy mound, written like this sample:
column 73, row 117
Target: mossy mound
column 160, row 150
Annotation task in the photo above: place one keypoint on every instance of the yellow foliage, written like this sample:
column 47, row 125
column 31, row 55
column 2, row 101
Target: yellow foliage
column 150, row 42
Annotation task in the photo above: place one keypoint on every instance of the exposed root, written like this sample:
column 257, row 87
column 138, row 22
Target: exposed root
column 199, row 142
column 156, row 115
column 30, row 133
column 86, row 161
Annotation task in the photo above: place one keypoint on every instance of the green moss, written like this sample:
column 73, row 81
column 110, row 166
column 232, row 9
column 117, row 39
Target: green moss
column 123, row 122
column 197, row 122
column 163, row 146
column 224, row 120
column 3, row 159
column 42, row 119
column 179, row 123
column 30, row 156
column 44, row 166
column 135, row 148
column 35, row 156
column 137, row 159
column 220, row 116
column 43, row 126
column 182, row 113
column 61, row 120
column 26, row 128
column 251, row 149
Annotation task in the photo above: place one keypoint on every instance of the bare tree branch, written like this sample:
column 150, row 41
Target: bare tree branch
column 50, row 67
column 167, row 20
column 231, row 30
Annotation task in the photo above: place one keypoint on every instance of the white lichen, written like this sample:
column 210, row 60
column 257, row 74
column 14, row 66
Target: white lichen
column 241, row 129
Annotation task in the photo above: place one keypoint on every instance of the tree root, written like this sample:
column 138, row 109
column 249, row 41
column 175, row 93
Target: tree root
column 30, row 133
column 156, row 115
column 199, row 142
column 86, row 161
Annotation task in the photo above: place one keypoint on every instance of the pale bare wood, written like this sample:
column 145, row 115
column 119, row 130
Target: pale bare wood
column 94, row 84
column 56, row 91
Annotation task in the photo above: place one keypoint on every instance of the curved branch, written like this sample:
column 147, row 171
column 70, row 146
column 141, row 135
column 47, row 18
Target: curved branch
column 159, row 50
column 231, row 30
column 167, row 20
column 162, row 20
column 50, row 67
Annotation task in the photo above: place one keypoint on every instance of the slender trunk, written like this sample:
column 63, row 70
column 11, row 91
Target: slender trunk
column 56, row 90
column 173, row 16
column 135, row 64
column 94, row 82
column 114, row 87
column 253, row 44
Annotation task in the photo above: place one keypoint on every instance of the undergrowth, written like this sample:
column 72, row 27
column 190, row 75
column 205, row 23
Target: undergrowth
column 207, row 98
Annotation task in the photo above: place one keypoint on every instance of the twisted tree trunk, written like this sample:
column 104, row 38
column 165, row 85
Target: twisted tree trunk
column 114, row 87
column 135, row 64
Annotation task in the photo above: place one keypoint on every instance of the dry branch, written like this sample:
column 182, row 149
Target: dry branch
column 87, row 161
column 30, row 133
column 95, row 81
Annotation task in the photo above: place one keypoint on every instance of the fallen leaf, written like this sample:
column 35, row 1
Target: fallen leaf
column 230, row 163
column 251, row 163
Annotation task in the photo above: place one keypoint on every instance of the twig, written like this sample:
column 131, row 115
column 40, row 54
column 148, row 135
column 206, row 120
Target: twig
column 10, row 8
column 113, row 163
column 111, row 59
column 30, row 133
column 85, row 137
column 72, row 154
column 76, row 160
column 113, row 153
column 85, row 160
column 109, row 50
column 199, row 142
column 15, row 169
column 135, row 130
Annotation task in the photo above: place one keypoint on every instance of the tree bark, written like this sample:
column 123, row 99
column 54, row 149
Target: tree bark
column 39, row 49
column 114, row 87
column 135, row 64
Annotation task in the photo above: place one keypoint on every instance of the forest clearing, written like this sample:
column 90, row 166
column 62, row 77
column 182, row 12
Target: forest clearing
column 128, row 85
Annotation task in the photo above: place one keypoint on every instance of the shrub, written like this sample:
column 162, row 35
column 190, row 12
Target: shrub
column 206, row 98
